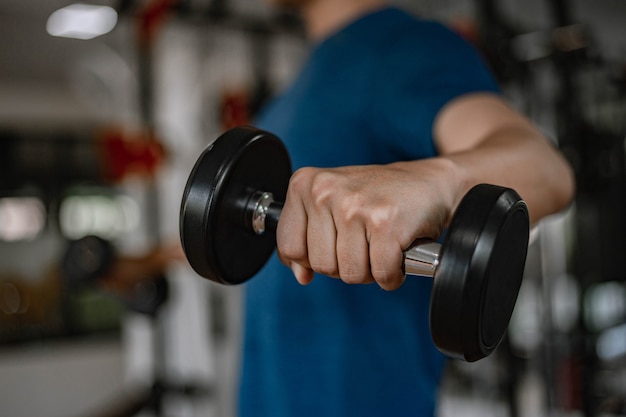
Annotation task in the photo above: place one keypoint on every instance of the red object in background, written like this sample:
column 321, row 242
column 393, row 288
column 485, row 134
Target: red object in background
column 234, row 108
column 152, row 17
column 122, row 155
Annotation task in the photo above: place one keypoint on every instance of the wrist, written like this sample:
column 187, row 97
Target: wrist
column 447, row 180
column 456, row 181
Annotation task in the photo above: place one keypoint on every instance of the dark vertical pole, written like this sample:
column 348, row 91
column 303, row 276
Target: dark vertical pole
column 145, row 51
column 149, row 21
column 260, row 41
column 576, row 136
column 568, row 104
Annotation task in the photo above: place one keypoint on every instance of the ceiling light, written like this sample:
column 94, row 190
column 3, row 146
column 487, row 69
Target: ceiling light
column 21, row 218
column 81, row 21
column 108, row 216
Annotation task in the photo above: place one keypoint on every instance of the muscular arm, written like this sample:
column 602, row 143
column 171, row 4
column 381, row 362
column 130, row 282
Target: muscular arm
column 487, row 141
column 354, row 222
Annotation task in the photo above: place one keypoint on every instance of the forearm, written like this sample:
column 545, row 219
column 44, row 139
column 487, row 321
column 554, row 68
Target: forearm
column 522, row 159
column 486, row 141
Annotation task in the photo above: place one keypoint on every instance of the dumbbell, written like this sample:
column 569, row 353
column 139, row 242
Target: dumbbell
column 86, row 263
column 231, row 206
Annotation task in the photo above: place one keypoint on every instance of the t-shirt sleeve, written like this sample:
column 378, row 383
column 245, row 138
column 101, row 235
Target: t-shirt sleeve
column 423, row 67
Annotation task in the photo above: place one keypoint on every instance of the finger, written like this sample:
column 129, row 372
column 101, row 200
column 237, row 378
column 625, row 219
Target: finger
column 353, row 255
column 322, row 242
column 386, row 263
column 291, row 233
column 292, row 245
column 303, row 275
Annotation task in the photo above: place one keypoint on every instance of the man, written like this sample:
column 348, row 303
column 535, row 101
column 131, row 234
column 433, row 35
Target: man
column 402, row 119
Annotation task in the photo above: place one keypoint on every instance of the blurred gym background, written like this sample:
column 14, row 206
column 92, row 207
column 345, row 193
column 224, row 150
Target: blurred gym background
column 101, row 122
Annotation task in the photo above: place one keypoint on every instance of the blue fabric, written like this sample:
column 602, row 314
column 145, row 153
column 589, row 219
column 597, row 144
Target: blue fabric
column 368, row 94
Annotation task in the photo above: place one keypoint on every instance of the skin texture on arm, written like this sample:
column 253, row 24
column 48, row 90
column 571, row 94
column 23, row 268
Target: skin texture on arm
column 354, row 222
column 491, row 142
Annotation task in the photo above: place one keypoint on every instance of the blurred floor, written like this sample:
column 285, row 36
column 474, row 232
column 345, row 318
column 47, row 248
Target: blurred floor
column 60, row 379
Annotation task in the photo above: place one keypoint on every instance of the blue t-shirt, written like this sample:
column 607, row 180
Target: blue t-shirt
column 369, row 94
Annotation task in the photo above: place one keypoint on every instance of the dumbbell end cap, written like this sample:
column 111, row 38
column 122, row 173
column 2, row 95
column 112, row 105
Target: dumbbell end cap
column 482, row 263
column 216, row 241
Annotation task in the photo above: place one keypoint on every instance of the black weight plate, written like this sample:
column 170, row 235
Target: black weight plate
column 480, row 272
column 148, row 295
column 212, row 224
column 87, row 259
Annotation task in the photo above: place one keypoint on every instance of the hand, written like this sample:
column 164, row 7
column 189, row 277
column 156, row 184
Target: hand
column 355, row 222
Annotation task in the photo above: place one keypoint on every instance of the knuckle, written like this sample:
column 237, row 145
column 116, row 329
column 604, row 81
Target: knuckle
column 322, row 187
column 384, row 217
column 300, row 179
column 352, row 208
column 316, row 184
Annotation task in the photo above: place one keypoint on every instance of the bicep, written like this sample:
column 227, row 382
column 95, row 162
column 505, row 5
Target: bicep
column 465, row 122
